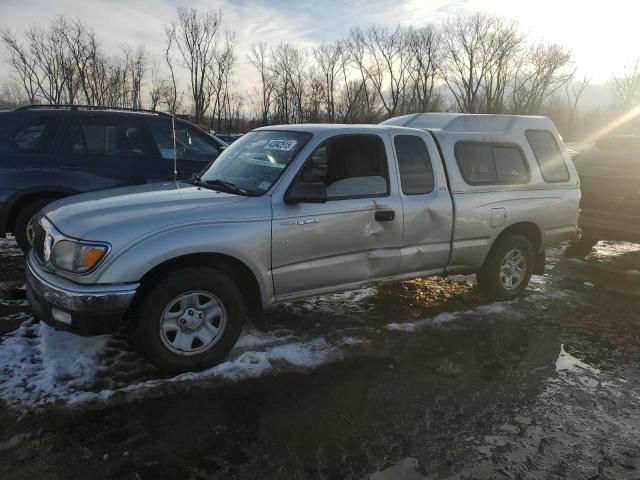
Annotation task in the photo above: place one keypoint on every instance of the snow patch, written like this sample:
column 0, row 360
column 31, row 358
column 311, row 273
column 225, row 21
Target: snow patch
column 446, row 317
column 40, row 363
column 567, row 362
column 401, row 327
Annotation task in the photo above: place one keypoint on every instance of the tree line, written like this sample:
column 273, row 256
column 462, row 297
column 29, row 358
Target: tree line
column 477, row 64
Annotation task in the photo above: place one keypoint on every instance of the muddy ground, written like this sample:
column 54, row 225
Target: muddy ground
column 418, row 380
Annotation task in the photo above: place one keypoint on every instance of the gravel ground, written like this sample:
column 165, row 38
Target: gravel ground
column 418, row 380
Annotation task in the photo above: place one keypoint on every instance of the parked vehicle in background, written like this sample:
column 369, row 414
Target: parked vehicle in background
column 228, row 138
column 47, row 153
column 293, row 211
column 609, row 174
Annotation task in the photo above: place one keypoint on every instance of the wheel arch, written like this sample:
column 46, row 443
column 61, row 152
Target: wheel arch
column 230, row 266
column 533, row 233
column 27, row 196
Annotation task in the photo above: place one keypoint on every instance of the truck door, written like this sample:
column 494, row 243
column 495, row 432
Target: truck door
column 352, row 238
column 426, row 203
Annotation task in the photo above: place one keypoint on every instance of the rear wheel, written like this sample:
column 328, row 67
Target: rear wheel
column 507, row 269
column 189, row 320
column 23, row 228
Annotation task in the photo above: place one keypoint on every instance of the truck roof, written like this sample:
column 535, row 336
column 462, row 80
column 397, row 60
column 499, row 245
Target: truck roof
column 322, row 127
column 445, row 122
column 470, row 123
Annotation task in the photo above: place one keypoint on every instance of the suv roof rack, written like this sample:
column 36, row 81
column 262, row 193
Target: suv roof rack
column 91, row 107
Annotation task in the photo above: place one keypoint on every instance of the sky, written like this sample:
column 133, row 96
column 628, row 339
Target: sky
column 603, row 35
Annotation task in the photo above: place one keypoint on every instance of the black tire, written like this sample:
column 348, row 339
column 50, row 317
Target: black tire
column 22, row 221
column 147, row 315
column 581, row 248
column 489, row 277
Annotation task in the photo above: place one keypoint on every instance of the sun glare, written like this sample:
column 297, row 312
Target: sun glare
column 612, row 126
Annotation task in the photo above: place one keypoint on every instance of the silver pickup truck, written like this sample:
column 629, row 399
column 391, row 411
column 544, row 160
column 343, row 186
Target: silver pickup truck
column 293, row 211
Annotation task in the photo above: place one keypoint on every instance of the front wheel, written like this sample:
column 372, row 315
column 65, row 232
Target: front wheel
column 189, row 321
column 507, row 269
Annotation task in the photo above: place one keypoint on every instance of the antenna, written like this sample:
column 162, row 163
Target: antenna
column 175, row 152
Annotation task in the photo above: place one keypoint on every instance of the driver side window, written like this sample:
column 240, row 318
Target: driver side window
column 350, row 166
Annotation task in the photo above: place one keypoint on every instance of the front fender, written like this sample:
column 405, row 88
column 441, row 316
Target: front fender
column 247, row 241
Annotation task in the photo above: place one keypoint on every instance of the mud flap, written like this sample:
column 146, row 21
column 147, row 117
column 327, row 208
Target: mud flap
column 539, row 261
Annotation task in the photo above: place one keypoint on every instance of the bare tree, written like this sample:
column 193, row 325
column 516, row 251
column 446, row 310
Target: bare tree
column 219, row 76
column 23, row 64
column 157, row 85
column 259, row 58
column 288, row 66
column 573, row 91
column 626, row 88
column 471, row 49
column 82, row 47
column 506, row 44
column 12, row 94
column 425, row 54
column 170, row 95
column 329, row 58
column 542, row 71
column 50, row 60
column 362, row 95
column 380, row 55
column 136, row 69
column 195, row 37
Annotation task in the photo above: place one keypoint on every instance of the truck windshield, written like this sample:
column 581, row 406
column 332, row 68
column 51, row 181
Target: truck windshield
column 255, row 161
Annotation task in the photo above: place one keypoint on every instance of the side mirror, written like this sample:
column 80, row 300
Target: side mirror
column 307, row 193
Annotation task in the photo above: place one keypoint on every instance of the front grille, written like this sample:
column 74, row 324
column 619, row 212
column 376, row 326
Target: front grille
column 39, row 236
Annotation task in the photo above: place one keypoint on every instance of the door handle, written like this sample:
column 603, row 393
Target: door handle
column 69, row 167
column 385, row 215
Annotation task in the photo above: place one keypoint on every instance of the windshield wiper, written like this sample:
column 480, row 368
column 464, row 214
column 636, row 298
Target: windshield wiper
column 218, row 184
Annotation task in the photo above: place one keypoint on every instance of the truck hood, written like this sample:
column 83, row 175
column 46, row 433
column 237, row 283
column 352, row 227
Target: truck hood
column 123, row 211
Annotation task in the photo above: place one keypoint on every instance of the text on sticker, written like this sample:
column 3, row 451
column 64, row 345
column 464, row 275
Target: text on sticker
column 284, row 145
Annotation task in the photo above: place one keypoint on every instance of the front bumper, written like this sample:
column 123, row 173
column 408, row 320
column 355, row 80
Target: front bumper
column 86, row 309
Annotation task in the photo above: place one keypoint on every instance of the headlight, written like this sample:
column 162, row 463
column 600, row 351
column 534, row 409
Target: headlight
column 77, row 257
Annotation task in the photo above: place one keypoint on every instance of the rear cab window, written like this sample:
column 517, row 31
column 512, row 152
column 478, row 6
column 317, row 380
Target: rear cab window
column 487, row 163
column 414, row 163
column 548, row 155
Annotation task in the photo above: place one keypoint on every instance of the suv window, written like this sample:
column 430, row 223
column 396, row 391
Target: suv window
column 548, row 154
column 484, row 163
column 191, row 144
column 106, row 136
column 416, row 171
column 351, row 166
column 35, row 136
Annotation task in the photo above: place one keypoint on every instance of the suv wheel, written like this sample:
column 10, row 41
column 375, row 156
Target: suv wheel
column 507, row 269
column 190, row 320
column 23, row 227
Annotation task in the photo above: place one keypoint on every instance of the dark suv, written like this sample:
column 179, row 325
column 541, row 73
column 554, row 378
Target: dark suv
column 47, row 153
column 610, row 182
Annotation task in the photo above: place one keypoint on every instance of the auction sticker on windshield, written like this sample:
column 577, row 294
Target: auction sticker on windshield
column 284, row 145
